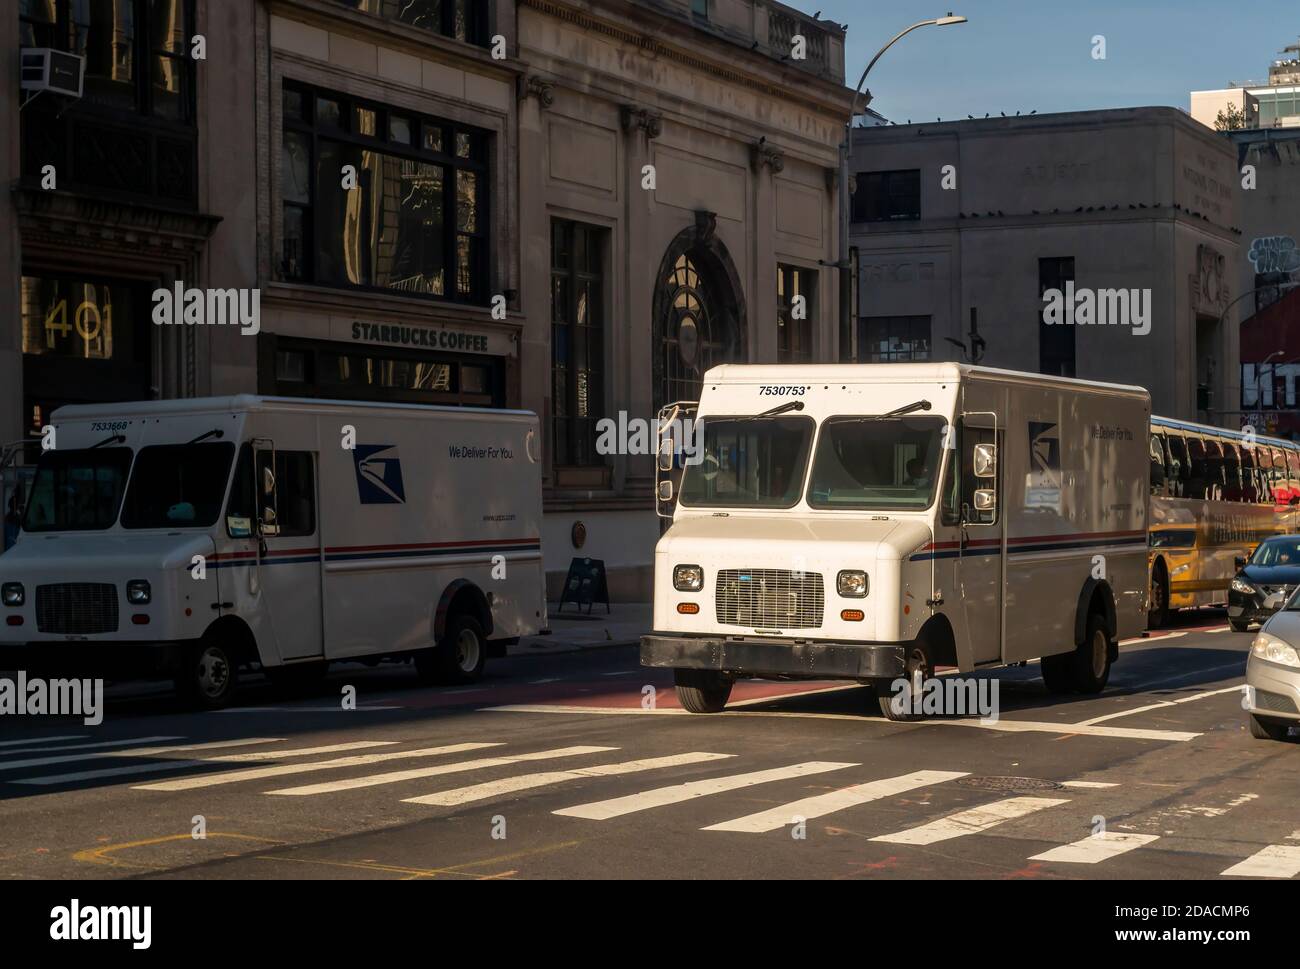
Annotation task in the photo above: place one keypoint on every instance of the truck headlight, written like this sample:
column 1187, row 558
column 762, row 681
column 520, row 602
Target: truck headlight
column 688, row 578
column 1242, row 586
column 13, row 594
column 1271, row 648
column 138, row 592
column 851, row 583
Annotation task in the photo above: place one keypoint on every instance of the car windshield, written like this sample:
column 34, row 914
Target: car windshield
column 1277, row 552
column 77, row 490
column 755, row 462
column 885, row 464
column 177, row 485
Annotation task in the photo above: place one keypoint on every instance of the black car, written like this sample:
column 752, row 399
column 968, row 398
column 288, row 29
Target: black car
column 1264, row 582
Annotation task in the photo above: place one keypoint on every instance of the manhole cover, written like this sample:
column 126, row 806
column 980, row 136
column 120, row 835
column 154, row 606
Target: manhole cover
column 1012, row 784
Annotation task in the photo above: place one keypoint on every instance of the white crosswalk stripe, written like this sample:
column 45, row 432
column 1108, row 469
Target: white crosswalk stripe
column 523, row 782
column 41, row 740
column 279, row 770
column 971, row 821
column 1275, row 861
column 823, row 804
column 56, row 758
column 162, row 766
column 661, row 796
column 394, row 777
column 1099, row 847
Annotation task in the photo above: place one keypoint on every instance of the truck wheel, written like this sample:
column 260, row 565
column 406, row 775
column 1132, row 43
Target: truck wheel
column 1158, row 612
column 1090, row 662
column 918, row 660
column 1056, row 673
column 1267, row 729
column 458, row 657
column 702, row 691
column 1238, row 626
column 207, row 676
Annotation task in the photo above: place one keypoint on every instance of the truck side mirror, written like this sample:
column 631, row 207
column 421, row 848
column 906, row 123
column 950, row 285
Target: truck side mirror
column 665, row 492
column 986, row 500
column 268, row 481
column 666, row 454
column 985, row 461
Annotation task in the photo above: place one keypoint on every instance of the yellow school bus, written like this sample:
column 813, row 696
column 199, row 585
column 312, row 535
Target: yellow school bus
column 1215, row 495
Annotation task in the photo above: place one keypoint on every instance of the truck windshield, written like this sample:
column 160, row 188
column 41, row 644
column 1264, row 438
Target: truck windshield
column 177, row 485
column 749, row 462
column 77, row 490
column 887, row 464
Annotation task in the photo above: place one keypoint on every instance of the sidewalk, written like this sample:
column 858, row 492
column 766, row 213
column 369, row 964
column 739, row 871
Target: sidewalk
column 572, row 631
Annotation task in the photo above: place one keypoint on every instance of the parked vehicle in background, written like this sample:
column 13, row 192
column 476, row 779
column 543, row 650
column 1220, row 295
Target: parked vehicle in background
column 1273, row 675
column 1215, row 495
column 190, row 538
column 1264, row 581
column 871, row 522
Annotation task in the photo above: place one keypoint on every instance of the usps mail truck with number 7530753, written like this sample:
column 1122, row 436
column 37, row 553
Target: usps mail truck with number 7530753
column 875, row 522
column 192, row 538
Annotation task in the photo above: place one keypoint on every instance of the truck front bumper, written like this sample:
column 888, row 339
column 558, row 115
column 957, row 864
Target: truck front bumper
column 775, row 657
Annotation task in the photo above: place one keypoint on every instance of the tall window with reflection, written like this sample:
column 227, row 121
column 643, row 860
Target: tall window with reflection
column 795, row 290
column 137, row 51
column 465, row 20
column 577, row 341
column 381, row 198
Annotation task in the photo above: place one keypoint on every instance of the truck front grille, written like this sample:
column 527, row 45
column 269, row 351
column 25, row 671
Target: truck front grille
column 76, row 608
column 769, row 598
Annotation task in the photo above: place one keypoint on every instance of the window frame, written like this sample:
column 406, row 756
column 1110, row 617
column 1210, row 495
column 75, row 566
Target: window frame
column 569, row 425
column 878, row 199
column 787, row 325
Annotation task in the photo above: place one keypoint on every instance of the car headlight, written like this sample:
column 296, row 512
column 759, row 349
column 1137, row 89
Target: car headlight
column 851, row 583
column 138, row 592
column 688, row 578
column 1272, row 649
column 1241, row 585
column 13, row 594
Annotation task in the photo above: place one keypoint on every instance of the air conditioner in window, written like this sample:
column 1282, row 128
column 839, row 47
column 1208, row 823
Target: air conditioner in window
column 45, row 69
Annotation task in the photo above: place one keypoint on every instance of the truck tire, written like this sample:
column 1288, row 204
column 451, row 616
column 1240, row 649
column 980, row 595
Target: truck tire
column 1089, row 666
column 1158, row 613
column 459, row 655
column 1056, row 673
column 1238, row 626
column 702, row 691
column 207, row 676
column 918, row 659
column 1267, row 729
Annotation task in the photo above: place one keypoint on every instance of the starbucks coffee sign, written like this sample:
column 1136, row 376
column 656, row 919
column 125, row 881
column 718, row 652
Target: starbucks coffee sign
column 446, row 339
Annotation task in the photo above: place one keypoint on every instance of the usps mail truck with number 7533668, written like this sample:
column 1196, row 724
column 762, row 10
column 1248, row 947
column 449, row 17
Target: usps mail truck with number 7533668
column 875, row 522
column 190, row 539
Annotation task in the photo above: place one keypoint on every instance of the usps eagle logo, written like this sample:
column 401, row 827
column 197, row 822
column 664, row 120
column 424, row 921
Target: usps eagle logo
column 379, row 474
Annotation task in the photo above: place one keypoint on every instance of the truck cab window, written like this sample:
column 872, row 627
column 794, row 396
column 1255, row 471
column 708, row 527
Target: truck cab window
column 177, row 485
column 295, row 492
column 241, row 509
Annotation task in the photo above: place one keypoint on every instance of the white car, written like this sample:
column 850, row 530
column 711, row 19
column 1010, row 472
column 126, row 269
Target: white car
column 1273, row 675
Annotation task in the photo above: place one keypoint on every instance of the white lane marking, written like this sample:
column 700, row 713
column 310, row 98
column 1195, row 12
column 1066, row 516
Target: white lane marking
column 675, row 794
column 333, row 709
column 1097, row 848
column 256, row 773
column 394, row 777
column 158, row 767
column 42, row 740
column 1239, row 666
column 823, row 804
column 302, row 751
column 134, row 751
column 1158, row 705
column 1221, row 629
column 509, row 785
column 1151, row 639
column 1275, row 861
column 1010, row 726
column 971, row 822
column 792, row 696
column 1089, row 785
column 95, row 746
column 621, row 673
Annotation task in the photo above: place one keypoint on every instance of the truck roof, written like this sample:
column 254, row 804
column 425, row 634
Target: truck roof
column 256, row 402
column 902, row 373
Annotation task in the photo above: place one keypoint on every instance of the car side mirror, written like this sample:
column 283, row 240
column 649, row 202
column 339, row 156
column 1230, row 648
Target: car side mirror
column 985, row 461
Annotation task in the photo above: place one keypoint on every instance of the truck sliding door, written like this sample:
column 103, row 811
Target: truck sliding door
column 289, row 556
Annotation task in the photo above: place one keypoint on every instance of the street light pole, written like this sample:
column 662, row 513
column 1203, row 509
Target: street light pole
column 844, row 264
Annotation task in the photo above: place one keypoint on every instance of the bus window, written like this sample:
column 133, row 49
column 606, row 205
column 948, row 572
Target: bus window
column 1180, row 467
column 1201, row 483
column 1159, row 466
column 1234, row 486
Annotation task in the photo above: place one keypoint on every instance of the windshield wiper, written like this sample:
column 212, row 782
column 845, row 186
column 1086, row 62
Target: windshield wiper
column 896, row 412
column 111, row 439
column 778, row 409
column 215, row 432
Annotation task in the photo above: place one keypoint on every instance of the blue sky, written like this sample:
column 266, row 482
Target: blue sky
column 1021, row 55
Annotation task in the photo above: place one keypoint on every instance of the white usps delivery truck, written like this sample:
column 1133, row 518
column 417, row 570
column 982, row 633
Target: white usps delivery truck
column 190, row 538
column 874, row 522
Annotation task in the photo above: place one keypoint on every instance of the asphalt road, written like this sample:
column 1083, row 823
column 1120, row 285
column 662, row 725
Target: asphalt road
column 552, row 768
